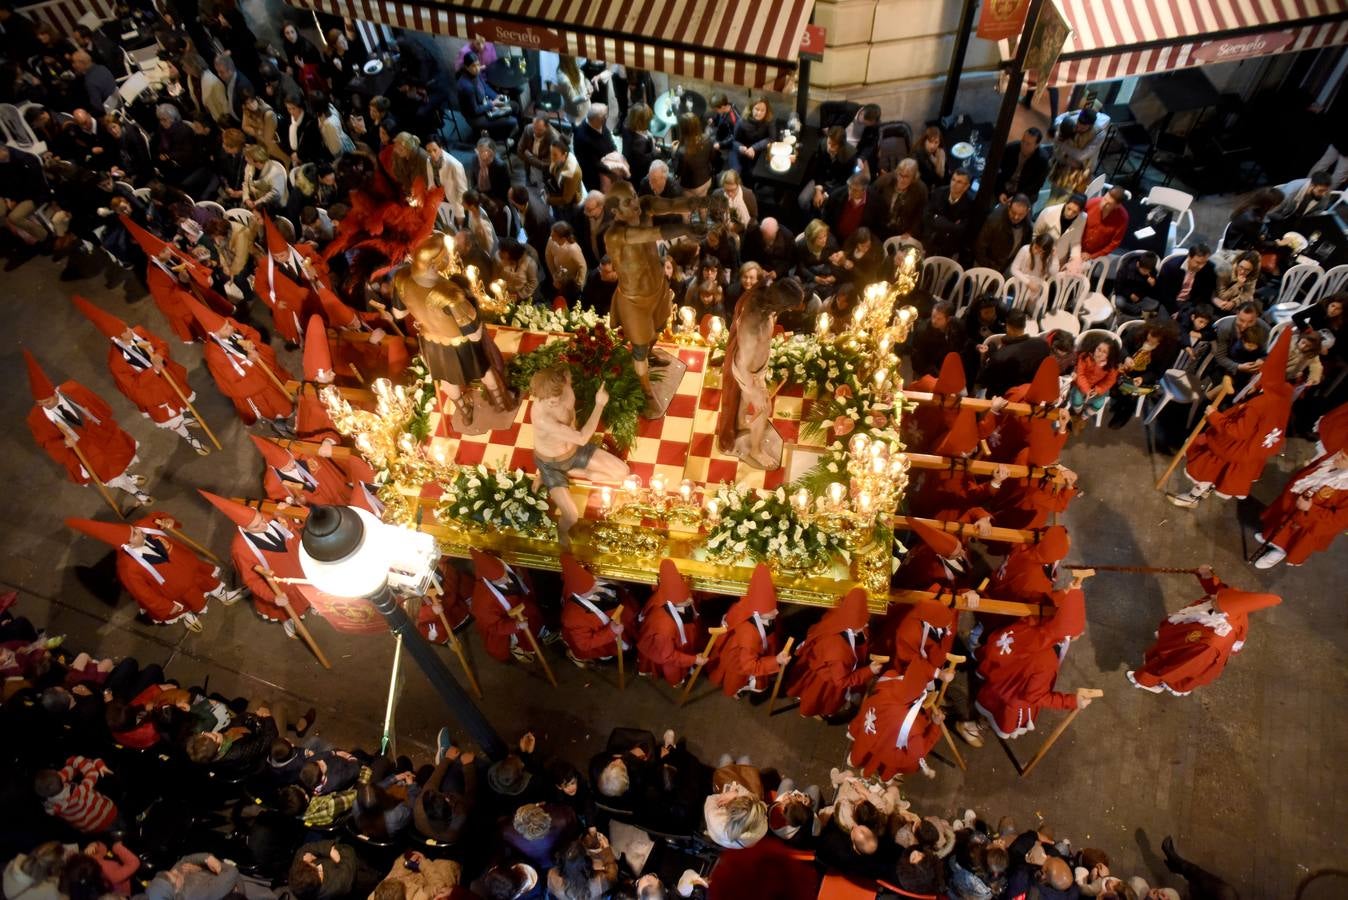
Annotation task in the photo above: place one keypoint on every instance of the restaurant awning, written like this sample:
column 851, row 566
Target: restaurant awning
column 746, row 42
column 1116, row 38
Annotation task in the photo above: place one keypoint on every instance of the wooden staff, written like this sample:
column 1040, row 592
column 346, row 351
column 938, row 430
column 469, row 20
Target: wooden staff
column 387, row 317
column 979, row 405
column 455, row 644
column 311, row 448
column 517, row 613
column 781, row 673
column 74, row 444
column 177, row 389
column 356, row 372
column 1222, row 391
column 184, row 539
column 984, row 467
column 712, row 635
column 300, row 628
column 1008, row 535
column 1152, row 570
column 1057, row 732
column 272, row 376
column 622, row 676
column 952, row 661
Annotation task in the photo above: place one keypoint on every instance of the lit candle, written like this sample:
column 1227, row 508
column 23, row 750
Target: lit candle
column 632, row 484
column 438, row 452
column 687, row 315
column 823, row 325
column 471, row 272
column 401, row 393
column 879, row 450
column 864, row 501
column 715, row 327
column 881, row 376
column 801, row 500
column 381, row 387
column 896, row 466
column 605, row 498
column 713, row 508
column 657, row 483
column 906, row 314
column 406, row 443
column 835, row 493
column 363, row 443
column 859, row 314
column 858, row 444
column 686, row 489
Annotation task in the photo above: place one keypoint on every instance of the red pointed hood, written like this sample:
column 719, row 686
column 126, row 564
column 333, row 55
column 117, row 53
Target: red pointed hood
column 1053, row 545
column 487, row 566
column 1044, row 446
column 114, row 533
column 962, row 438
column 943, row 542
column 671, row 587
column 951, row 380
column 851, row 614
column 1333, row 428
column 902, row 688
column 938, row 615
column 209, row 319
column 275, row 455
column 317, row 354
column 106, row 322
column 1241, row 603
column 38, row 382
column 1044, row 387
column 1273, row 373
column 1068, row 619
column 236, row 512
column 338, row 314
column 761, row 598
column 277, row 244
column 576, row 579
column 148, row 242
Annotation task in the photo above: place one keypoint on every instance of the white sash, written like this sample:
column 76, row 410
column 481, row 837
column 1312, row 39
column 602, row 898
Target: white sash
column 852, row 645
column 262, row 560
column 54, row 416
column 306, row 477
column 500, row 598
column 136, row 349
column 598, row 612
column 908, row 721
column 134, row 554
column 762, row 635
column 271, row 287
column 233, row 355
column 678, row 622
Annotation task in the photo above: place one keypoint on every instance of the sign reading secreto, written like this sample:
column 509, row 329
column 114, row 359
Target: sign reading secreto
column 515, row 34
column 1245, row 47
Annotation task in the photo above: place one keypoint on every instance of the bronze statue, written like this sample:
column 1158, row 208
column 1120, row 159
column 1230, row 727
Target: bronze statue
column 457, row 349
column 643, row 300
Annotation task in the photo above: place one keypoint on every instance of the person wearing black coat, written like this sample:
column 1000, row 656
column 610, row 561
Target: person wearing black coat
column 306, row 145
column 949, row 213
column 495, row 183
column 1018, row 358
column 832, row 165
column 751, row 136
column 1024, row 167
column 1148, row 351
column 623, row 774
column 638, row 145
column 1006, row 230
column 1187, row 280
column 480, row 104
column 772, row 246
column 934, row 337
column 591, row 142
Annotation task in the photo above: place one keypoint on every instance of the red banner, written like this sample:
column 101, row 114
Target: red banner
column 812, row 41
column 1002, row 19
column 352, row 615
column 513, row 34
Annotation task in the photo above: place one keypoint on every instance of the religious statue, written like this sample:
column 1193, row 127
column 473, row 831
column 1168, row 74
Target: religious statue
column 746, row 409
column 561, row 447
column 457, row 349
column 643, row 300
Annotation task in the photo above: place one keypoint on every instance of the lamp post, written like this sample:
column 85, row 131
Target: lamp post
column 348, row 552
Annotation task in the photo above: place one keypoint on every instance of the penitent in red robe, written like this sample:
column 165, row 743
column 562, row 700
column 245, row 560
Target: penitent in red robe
column 661, row 651
column 185, row 577
column 892, row 732
column 109, row 449
column 329, row 488
column 1019, row 666
column 1298, row 532
column 254, row 395
column 491, row 613
column 832, row 664
column 589, row 636
column 251, row 549
column 147, row 389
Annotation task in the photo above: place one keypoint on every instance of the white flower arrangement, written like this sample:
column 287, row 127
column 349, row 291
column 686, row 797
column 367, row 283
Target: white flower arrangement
column 764, row 527
column 503, row 500
column 532, row 317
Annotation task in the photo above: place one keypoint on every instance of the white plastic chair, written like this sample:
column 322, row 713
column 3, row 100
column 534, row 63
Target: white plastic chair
column 1081, row 342
column 1335, row 198
column 940, row 275
column 18, row 134
column 1095, row 309
column 1291, row 300
column 1097, row 186
column 243, row 216
column 1018, row 290
column 1068, row 289
column 217, row 211
column 978, row 282
column 1180, row 204
column 1222, row 243
column 1335, row 280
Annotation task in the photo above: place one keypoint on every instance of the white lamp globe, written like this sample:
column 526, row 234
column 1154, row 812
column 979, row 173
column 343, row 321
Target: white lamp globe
column 358, row 541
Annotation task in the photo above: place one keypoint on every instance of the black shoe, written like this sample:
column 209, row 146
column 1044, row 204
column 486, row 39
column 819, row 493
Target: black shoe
column 1172, row 859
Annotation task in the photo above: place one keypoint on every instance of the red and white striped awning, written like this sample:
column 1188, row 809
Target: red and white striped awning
column 747, row 42
column 64, row 15
column 1116, row 38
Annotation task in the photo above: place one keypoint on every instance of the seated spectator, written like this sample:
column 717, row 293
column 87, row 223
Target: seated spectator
column 1328, row 319
column 933, row 338
column 1238, row 350
column 382, row 810
column 1065, row 223
column 845, row 209
column 323, row 870
column 1135, row 286
column 481, row 105
column 751, row 134
column 1302, row 197
column 948, row 216
column 199, row 876
column 1097, row 371
column 329, row 772
column 415, row 876
column 815, row 252
column 71, row 795
column 35, row 875
column 238, row 750
column 898, row 202
column 1303, row 360
column 862, row 261
column 1005, row 231
column 569, row 789
column 741, row 204
column 1034, row 267
column 931, row 158
column 770, row 245
column 1019, row 356
column 586, row 869
column 1248, row 226
column 1024, row 167
column 1106, row 224
column 1147, row 353
column 856, row 848
column 735, row 814
column 23, row 189
column 724, row 245
column 828, row 171
column 1197, row 331
column 793, row 815
column 1238, row 286
column 622, row 773
column 536, row 830
column 517, row 266
column 1191, row 279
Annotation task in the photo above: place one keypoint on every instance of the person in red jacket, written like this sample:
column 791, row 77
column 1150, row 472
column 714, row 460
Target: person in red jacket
column 588, row 606
column 141, row 367
column 270, row 544
column 1312, row 509
column 939, row 557
column 282, row 281
column 168, row 581
column 300, row 481
column 1018, row 665
column 74, row 416
column 235, row 357
column 892, row 732
column 1229, row 455
column 671, row 632
column 1096, row 373
column 1106, row 224
column 173, row 276
column 497, row 589
column 749, row 654
column 833, row 668
column 1193, row 645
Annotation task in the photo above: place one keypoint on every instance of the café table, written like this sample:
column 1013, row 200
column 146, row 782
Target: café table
column 1140, row 218
column 807, row 144
column 507, row 75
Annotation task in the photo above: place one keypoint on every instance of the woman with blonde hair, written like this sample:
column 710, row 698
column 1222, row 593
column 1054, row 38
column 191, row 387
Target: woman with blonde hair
column 264, row 181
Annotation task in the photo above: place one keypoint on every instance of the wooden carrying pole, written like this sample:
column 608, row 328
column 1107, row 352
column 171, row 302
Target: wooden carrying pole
column 983, row 467
column 952, row 660
column 712, row 635
column 194, row 545
column 274, row 379
column 436, row 592
column 1057, row 733
column 1222, row 391
column 93, row 476
column 182, row 395
column 300, row 628
column 781, row 673
column 618, row 646
column 1007, row 535
column 980, row 405
column 517, row 613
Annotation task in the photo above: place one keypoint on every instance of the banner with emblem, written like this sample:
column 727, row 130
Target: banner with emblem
column 352, row 615
column 1000, row 20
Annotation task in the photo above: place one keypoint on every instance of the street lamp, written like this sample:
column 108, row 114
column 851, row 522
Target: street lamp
column 348, row 552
